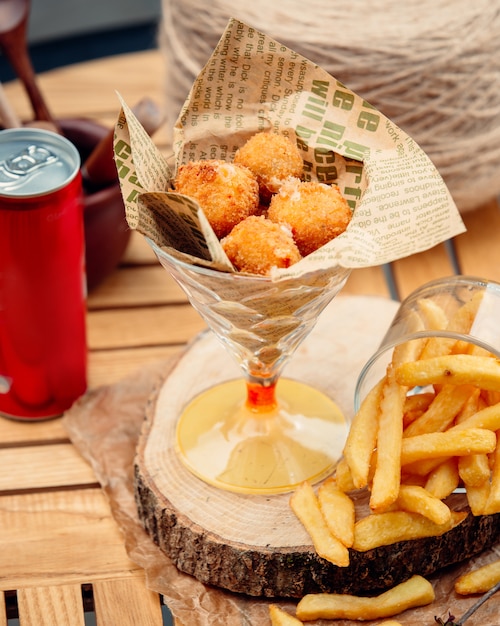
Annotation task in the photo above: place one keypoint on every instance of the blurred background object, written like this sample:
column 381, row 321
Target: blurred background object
column 431, row 67
column 62, row 32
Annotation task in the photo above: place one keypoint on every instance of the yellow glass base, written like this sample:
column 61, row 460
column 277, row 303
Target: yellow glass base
column 261, row 451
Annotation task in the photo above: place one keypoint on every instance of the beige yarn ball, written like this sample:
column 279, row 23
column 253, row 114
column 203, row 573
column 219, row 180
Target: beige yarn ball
column 432, row 67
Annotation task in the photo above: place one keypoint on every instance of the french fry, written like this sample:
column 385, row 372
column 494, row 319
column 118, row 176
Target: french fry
column 343, row 476
column 438, row 346
column 362, row 437
column 491, row 397
column 479, row 580
column 409, row 351
column 477, row 497
column 460, row 322
column 434, row 316
column 416, row 499
column 417, row 591
column 474, row 469
column 414, row 323
column 412, row 479
column 443, row 480
column 472, row 406
column 442, row 411
column 456, row 369
column 282, row 618
column 489, row 418
column 424, row 467
column 447, row 444
column 305, row 505
column 487, row 398
column 493, row 503
column 387, row 528
column 415, row 405
column 338, row 511
column 387, row 475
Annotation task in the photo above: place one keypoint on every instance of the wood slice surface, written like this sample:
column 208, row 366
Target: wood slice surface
column 255, row 544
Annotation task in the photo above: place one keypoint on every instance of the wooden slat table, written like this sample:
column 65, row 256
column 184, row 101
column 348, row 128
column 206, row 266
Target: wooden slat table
column 61, row 552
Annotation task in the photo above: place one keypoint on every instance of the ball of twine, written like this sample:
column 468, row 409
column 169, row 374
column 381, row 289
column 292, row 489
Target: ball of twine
column 433, row 68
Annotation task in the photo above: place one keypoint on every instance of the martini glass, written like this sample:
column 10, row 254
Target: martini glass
column 260, row 433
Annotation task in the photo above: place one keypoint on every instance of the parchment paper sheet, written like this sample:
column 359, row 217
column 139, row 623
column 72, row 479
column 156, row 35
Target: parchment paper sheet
column 105, row 425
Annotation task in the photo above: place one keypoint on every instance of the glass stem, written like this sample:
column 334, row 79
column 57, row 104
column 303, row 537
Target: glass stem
column 261, row 397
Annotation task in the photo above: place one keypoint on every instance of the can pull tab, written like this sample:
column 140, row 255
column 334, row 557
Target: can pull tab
column 5, row 384
column 15, row 170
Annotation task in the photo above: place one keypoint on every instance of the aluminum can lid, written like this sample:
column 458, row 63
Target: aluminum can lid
column 35, row 162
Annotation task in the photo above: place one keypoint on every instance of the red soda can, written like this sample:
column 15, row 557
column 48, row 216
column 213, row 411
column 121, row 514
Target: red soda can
column 43, row 351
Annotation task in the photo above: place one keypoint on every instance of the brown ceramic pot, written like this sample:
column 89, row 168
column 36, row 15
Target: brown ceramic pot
column 106, row 230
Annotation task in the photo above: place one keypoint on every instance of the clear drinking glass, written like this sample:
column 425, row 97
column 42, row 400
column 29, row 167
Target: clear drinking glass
column 454, row 309
column 272, row 432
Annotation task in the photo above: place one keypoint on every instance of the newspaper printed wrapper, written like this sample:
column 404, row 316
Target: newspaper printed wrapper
column 401, row 205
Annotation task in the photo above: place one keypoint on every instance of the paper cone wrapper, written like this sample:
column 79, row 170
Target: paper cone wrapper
column 400, row 203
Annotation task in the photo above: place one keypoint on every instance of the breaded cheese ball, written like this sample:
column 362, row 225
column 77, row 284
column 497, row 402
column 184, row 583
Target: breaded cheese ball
column 256, row 245
column 272, row 157
column 226, row 192
column 314, row 212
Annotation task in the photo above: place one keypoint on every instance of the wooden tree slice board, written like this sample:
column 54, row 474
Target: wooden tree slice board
column 255, row 544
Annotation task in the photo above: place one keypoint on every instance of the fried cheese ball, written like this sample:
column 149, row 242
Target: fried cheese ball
column 227, row 193
column 314, row 212
column 272, row 157
column 256, row 245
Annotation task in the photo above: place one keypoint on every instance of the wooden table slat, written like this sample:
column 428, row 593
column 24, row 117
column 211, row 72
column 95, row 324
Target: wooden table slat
column 137, row 286
column 60, row 537
column 42, row 467
column 47, row 606
column 126, row 602
column 15, row 431
column 148, row 326
column 94, row 86
column 138, row 251
column 368, row 281
column 110, row 366
column 415, row 270
column 478, row 249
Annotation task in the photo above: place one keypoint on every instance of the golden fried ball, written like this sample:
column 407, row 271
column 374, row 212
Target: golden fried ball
column 256, row 245
column 227, row 193
column 314, row 212
column 272, row 157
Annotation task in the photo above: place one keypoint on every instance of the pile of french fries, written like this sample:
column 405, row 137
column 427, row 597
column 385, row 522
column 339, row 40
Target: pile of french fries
column 430, row 426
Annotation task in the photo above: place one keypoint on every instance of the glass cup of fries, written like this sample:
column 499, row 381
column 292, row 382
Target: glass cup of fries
column 261, row 433
column 451, row 317
column 424, row 438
